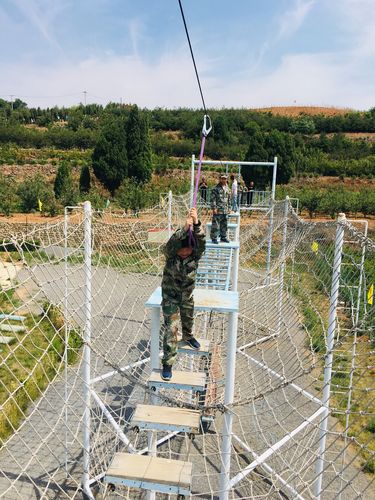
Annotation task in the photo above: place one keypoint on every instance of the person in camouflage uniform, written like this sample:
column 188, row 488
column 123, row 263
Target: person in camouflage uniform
column 220, row 205
column 182, row 256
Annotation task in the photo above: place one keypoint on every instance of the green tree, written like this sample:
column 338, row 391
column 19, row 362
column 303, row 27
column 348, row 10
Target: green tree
column 131, row 195
column 8, row 197
column 256, row 152
column 63, row 180
column 85, row 179
column 138, row 146
column 109, row 158
column 33, row 189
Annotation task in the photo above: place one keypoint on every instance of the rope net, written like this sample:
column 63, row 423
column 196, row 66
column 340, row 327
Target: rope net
column 282, row 412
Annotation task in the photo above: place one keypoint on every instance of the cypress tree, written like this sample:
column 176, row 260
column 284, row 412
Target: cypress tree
column 138, row 146
column 109, row 158
column 84, row 179
column 63, row 181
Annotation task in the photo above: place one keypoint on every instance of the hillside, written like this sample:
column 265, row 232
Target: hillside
column 305, row 110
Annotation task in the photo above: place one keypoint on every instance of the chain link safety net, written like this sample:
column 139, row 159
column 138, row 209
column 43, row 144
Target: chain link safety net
column 75, row 357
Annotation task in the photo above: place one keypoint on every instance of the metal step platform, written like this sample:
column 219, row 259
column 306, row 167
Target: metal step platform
column 219, row 246
column 230, row 225
column 191, row 381
column 204, row 349
column 166, row 418
column 150, row 473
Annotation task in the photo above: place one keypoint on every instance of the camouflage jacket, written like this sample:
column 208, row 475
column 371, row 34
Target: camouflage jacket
column 220, row 199
column 179, row 274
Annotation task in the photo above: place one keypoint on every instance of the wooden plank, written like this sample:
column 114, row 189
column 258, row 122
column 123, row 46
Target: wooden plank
column 180, row 380
column 12, row 317
column 204, row 300
column 204, row 348
column 12, row 328
column 6, row 340
column 151, row 469
column 166, row 416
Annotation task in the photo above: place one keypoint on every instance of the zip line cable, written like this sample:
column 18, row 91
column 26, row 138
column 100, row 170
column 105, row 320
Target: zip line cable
column 192, row 56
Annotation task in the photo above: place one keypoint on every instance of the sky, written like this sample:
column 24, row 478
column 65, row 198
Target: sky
column 249, row 53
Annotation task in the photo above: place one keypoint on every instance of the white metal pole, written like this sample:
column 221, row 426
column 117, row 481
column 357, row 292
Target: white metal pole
column 282, row 266
column 329, row 354
column 192, row 180
column 169, row 214
column 274, row 174
column 272, row 207
column 354, row 344
column 236, row 256
column 228, row 400
column 269, row 244
column 66, row 333
column 86, row 349
column 154, row 347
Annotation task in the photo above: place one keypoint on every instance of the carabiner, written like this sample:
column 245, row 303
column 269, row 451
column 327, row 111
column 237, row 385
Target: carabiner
column 206, row 130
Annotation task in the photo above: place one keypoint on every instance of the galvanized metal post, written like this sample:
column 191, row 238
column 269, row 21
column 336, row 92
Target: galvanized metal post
column 319, row 467
column 86, row 349
column 282, row 266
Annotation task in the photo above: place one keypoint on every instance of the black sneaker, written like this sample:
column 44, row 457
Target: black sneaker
column 192, row 342
column 214, row 240
column 224, row 240
column 166, row 373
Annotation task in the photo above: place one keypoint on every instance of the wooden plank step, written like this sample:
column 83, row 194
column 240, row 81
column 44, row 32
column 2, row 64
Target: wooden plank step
column 6, row 340
column 204, row 300
column 150, row 473
column 12, row 328
column 202, row 351
column 166, row 418
column 12, row 317
column 192, row 381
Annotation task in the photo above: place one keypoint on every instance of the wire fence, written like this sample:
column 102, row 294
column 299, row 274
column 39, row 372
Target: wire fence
column 304, row 401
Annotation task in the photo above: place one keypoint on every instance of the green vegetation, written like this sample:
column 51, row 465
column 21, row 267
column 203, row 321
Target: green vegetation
column 32, row 363
column 113, row 145
column 331, row 199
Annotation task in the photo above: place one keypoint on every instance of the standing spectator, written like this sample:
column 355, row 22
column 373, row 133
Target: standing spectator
column 244, row 195
column 203, row 189
column 219, row 205
column 251, row 192
column 234, row 193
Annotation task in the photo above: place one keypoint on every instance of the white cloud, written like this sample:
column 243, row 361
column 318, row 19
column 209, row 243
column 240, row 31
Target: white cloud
column 291, row 21
column 304, row 78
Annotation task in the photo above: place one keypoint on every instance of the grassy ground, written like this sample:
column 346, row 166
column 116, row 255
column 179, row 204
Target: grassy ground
column 31, row 362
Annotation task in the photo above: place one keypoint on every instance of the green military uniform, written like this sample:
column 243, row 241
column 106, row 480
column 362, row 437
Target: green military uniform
column 177, row 289
column 220, row 202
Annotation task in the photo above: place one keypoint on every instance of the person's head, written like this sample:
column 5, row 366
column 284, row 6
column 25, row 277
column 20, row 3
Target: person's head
column 186, row 249
column 223, row 179
column 184, row 252
column 251, row 185
column 232, row 177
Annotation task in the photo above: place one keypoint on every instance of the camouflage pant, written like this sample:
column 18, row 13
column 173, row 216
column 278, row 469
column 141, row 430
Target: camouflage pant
column 169, row 329
column 219, row 220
